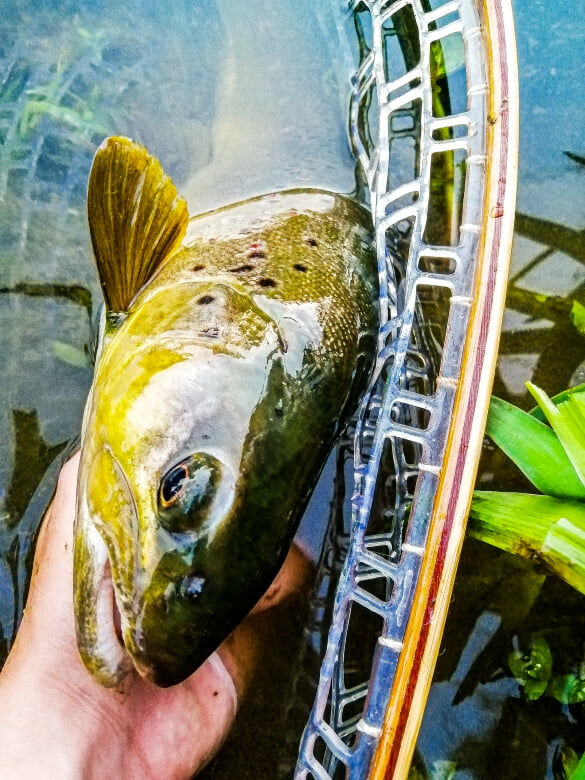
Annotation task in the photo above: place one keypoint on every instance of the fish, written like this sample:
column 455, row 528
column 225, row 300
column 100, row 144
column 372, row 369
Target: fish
column 233, row 345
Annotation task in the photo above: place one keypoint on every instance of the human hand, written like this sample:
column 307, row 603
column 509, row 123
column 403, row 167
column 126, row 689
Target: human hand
column 59, row 722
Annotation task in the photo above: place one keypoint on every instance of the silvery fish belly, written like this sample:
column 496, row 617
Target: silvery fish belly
column 231, row 348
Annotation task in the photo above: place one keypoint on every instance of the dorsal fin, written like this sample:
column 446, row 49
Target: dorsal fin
column 136, row 218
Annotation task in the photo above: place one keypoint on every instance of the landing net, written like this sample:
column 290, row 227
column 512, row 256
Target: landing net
column 419, row 128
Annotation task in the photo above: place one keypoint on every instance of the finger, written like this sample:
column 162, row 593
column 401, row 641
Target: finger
column 187, row 722
column 53, row 566
column 48, row 616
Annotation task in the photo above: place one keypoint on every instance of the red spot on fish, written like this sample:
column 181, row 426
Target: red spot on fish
column 255, row 251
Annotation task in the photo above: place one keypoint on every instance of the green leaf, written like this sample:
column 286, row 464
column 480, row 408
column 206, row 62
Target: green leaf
column 532, row 671
column 579, row 772
column 578, row 317
column 556, row 399
column 534, row 448
column 569, row 761
column 567, row 419
column 549, row 529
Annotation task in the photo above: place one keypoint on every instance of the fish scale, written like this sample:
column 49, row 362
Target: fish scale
column 298, row 258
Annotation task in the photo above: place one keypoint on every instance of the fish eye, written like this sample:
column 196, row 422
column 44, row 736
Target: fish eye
column 186, row 491
column 172, row 485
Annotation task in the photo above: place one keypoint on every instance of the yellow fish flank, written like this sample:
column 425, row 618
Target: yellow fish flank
column 232, row 348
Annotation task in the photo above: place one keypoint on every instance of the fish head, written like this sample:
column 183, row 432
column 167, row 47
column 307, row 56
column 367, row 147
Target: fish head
column 158, row 493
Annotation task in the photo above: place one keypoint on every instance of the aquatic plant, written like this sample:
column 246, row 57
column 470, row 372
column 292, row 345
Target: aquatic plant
column 548, row 526
column 548, row 446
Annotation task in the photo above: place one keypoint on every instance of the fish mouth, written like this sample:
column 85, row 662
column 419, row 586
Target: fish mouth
column 107, row 639
column 119, row 645
column 108, row 613
column 99, row 618
column 110, row 643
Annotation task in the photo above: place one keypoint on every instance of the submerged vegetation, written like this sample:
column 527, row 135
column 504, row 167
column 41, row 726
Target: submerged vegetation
column 547, row 444
column 548, row 526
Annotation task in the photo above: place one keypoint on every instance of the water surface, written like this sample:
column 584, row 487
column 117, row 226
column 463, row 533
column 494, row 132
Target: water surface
column 476, row 719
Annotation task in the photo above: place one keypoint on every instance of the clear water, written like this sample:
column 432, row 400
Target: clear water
column 476, row 717
column 245, row 97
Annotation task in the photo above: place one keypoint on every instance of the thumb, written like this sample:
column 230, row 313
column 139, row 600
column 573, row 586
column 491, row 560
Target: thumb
column 48, row 615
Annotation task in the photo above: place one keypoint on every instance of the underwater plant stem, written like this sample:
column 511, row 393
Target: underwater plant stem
column 444, row 182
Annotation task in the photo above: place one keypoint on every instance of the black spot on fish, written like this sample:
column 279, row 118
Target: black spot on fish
column 267, row 283
column 311, row 241
column 300, row 267
column 205, row 299
column 198, row 267
column 241, row 269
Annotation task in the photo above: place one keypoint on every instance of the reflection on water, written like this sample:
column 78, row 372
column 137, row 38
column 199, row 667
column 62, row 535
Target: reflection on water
column 486, row 729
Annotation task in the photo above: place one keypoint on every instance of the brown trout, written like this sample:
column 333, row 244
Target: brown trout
column 232, row 348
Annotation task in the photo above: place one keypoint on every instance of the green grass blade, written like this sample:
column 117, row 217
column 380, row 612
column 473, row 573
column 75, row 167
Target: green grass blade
column 549, row 529
column 579, row 772
column 534, row 448
column 567, row 419
column 537, row 412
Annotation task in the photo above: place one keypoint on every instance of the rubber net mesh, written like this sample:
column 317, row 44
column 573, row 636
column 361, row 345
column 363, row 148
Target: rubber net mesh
column 418, row 118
